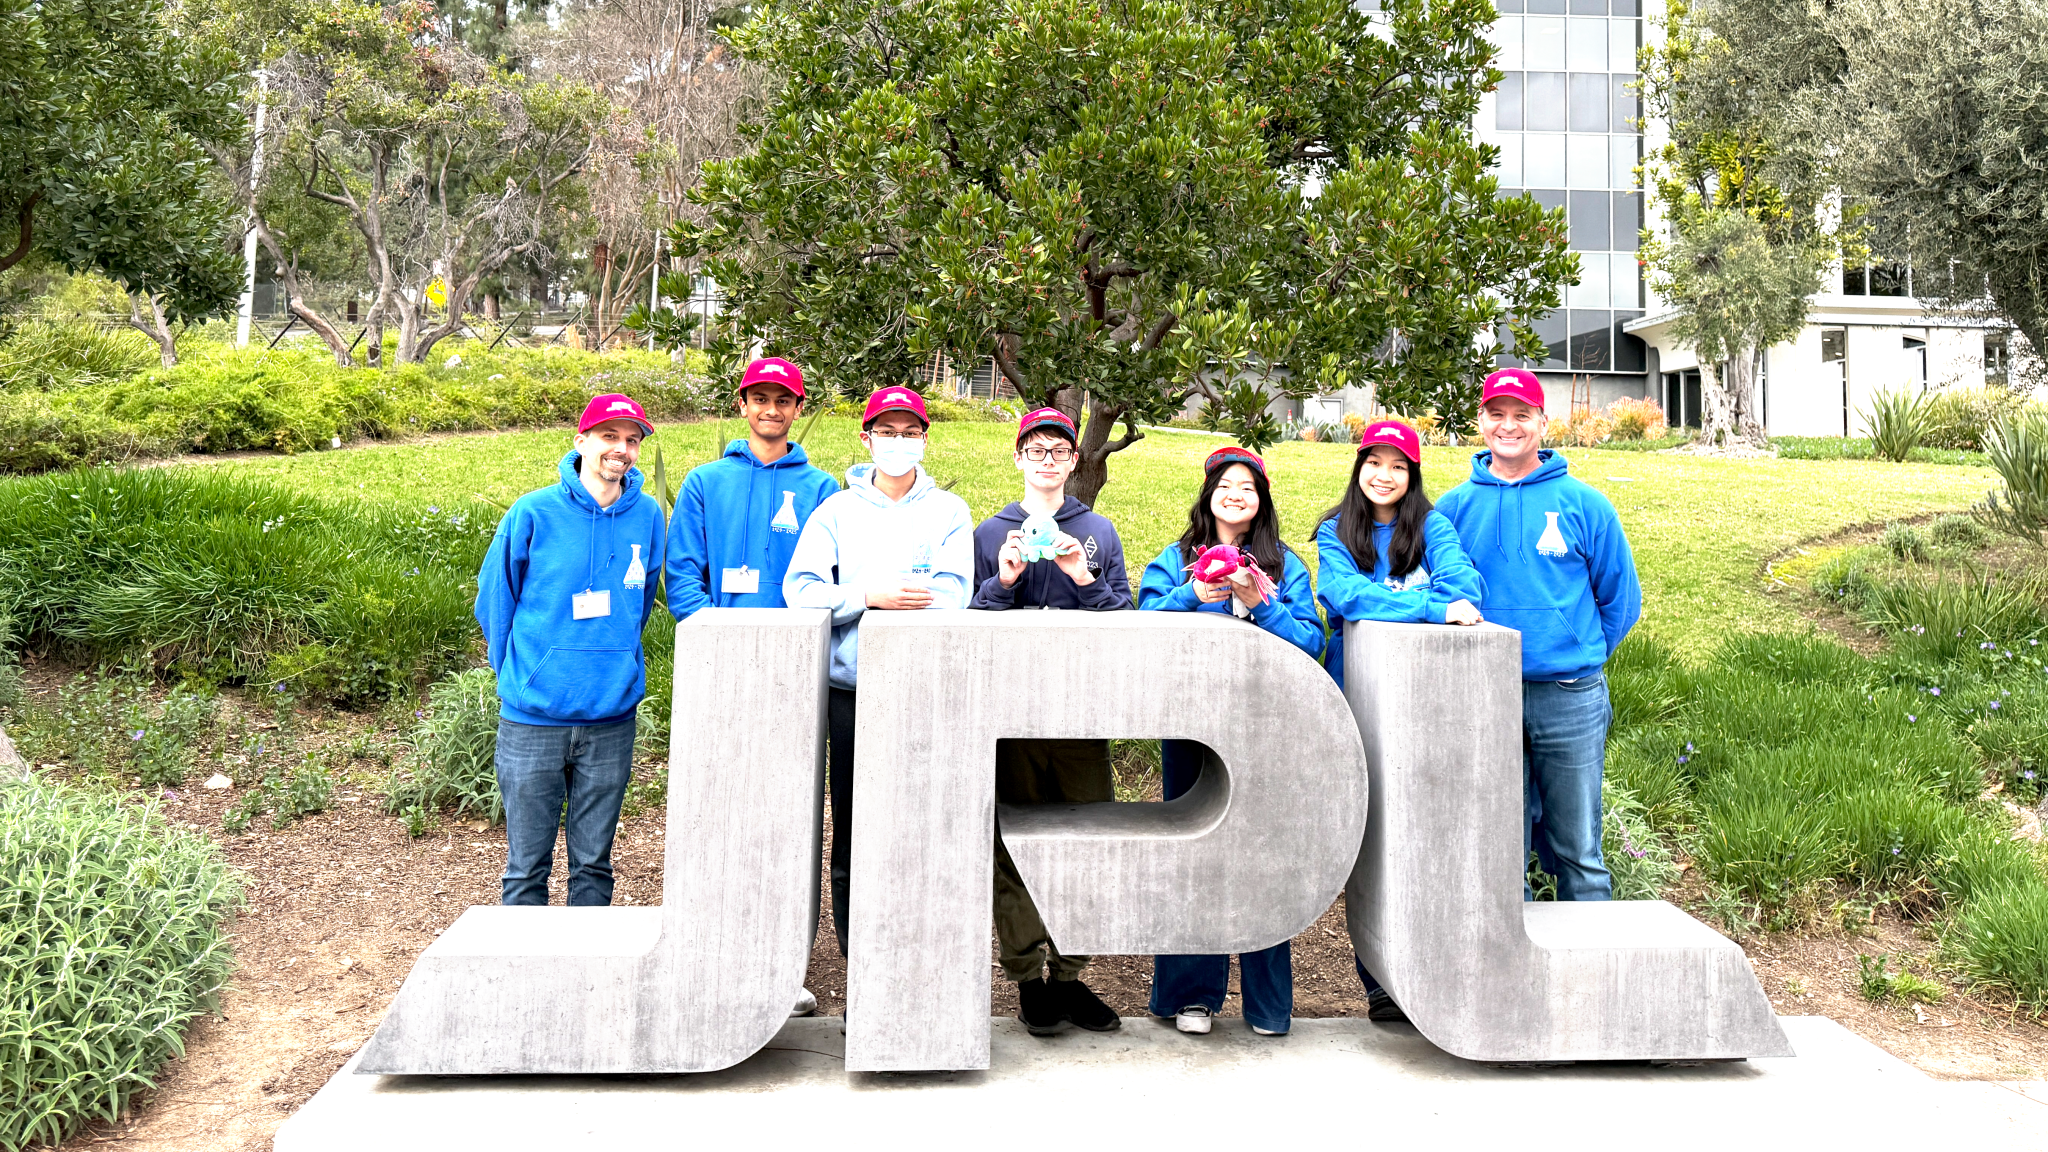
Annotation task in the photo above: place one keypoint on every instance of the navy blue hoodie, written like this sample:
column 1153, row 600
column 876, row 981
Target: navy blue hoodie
column 554, row 670
column 1043, row 585
column 1556, row 564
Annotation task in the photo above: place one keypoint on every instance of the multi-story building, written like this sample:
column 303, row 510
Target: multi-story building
column 1563, row 119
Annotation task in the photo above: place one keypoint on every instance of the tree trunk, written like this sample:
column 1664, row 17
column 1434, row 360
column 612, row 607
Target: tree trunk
column 491, row 306
column 156, row 327
column 1730, row 418
column 1748, row 403
column 1091, row 471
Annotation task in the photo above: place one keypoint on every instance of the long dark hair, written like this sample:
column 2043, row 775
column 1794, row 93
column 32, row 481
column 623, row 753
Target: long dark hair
column 1355, row 523
column 1261, row 539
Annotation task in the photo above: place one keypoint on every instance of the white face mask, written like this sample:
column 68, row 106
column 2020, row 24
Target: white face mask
column 896, row 455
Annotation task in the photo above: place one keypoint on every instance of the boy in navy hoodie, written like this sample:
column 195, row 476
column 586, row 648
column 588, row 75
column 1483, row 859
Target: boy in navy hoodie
column 738, row 518
column 1558, row 570
column 562, row 597
column 1086, row 571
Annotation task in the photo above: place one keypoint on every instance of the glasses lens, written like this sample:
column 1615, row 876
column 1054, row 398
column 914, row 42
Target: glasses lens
column 1059, row 455
column 913, row 434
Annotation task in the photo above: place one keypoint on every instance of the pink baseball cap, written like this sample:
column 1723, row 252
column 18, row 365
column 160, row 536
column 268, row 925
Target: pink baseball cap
column 1047, row 418
column 894, row 400
column 774, row 370
column 1224, row 457
column 1394, row 434
column 1517, row 383
column 614, row 406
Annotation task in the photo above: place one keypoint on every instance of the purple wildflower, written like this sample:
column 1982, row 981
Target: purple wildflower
column 136, row 735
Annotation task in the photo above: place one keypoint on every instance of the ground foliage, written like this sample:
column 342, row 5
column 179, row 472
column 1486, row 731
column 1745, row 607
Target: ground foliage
column 112, row 939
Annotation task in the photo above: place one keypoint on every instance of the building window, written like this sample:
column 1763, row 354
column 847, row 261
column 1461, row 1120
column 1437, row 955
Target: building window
column 1834, row 345
column 1682, row 398
column 1877, row 280
column 1997, row 357
column 1916, row 357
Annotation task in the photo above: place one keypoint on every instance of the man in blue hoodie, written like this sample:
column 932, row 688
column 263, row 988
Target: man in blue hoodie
column 562, row 597
column 1086, row 571
column 1558, row 570
column 738, row 518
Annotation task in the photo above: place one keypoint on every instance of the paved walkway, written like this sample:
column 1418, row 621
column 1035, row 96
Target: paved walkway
column 1330, row 1080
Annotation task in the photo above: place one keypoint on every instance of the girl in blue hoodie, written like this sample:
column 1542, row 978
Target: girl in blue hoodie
column 1383, row 553
column 1235, row 507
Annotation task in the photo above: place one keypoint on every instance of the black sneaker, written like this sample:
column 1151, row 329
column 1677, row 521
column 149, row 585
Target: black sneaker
column 1041, row 1009
column 1381, row 1007
column 1085, row 1008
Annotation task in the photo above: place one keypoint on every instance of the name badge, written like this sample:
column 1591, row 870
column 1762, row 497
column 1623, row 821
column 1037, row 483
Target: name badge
column 590, row 605
column 741, row 581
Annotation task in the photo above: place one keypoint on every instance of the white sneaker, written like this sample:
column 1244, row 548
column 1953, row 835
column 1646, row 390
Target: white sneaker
column 1193, row 1019
column 1265, row 1031
column 806, row 1004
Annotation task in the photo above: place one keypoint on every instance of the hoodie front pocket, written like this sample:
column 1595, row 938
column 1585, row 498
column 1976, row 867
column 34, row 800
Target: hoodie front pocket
column 572, row 683
column 1544, row 630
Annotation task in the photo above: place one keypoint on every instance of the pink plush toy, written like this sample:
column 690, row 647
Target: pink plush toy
column 1218, row 562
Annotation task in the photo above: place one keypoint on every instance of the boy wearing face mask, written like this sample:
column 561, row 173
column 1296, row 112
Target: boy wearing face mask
column 892, row 541
column 1086, row 571
column 562, row 597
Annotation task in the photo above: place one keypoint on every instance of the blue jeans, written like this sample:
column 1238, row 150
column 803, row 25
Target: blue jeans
column 538, row 769
column 1266, row 977
column 1564, row 755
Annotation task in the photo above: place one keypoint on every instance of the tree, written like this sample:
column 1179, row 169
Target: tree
column 1748, row 190
column 102, row 108
column 677, row 91
column 1738, row 292
column 447, row 166
column 1117, row 202
column 1945, row 123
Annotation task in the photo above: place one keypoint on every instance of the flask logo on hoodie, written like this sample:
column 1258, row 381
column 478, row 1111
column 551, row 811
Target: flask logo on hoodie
column 1551, row 543
column 785, row 520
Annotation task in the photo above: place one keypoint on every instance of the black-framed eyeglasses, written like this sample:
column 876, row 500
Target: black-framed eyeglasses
column 906, row 434
column 1036, row 454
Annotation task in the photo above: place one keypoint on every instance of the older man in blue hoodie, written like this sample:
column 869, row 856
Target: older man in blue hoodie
column 563, row 596
column 1558, row 570
column 738, row 518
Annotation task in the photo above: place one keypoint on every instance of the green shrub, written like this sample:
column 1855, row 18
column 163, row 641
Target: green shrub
column 2018, row 450
column 44, row 356
column 219, row 576
column 1843, row 580
column 1898, row 422
column 1958, row 532
column 39, row 433
column 1948, row 620
column 2000, row 937
column 286, row 794
column 1893, row 833
column 112, row 939
column 1963, row 417
column 1640, row 861
column 1859, row 448
column 1985, row 859
column 455, row 743
column 2015, row 743
column 1770, row 847
column 164, row 736
column 1879, row 985
column 1905, row 542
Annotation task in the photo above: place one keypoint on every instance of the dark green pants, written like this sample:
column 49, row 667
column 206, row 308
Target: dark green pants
column 1040, row 772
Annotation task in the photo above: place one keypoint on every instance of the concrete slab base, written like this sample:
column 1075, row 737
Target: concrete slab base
column 1329, row 1080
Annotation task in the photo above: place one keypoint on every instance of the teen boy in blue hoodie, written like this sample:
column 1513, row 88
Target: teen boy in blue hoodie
column 1087, row 572
column 738, row 518
column 562, row 597
column 1558, row 570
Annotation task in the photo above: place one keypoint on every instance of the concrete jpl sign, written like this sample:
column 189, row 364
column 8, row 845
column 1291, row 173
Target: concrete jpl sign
column 1276, row 827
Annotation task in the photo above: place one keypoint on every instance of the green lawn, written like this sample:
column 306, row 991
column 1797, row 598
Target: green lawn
column 1701, row 528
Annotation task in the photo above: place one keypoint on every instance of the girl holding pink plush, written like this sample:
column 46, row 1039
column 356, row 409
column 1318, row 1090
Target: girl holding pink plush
column 1231, row 560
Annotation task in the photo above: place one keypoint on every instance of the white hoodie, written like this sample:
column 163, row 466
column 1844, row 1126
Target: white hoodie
column 878, row 543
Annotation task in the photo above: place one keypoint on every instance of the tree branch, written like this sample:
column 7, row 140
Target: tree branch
column 1159, row 330
column 28, row 210
column 1006, row 362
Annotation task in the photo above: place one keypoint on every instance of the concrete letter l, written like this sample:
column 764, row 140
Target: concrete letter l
column 703, row 981
column 1251, row 856
column 1436, row 908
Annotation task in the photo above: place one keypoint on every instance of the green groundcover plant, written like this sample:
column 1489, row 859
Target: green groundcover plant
column 71, row 396
column 112, row 939
column 228, row 580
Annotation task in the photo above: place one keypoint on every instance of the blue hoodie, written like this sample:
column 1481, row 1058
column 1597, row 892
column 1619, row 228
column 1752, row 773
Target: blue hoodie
column 1043, row 585
column 860, row 540
column 1290, row 613
column 1444, row 576
column 1556, row 564
column 737, row 511
column 554, row 670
